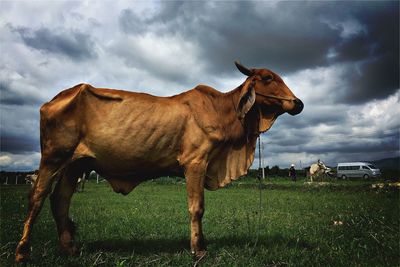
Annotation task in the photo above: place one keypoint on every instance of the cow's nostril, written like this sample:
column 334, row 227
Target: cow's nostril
column 299, row 104
column 298, row 107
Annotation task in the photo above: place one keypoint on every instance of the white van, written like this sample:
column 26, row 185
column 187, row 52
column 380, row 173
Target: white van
column 357, row 169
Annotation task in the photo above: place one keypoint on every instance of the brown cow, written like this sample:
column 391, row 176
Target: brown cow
column 204, row 135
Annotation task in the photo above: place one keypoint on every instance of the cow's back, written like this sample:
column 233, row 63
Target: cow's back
column 122, row 130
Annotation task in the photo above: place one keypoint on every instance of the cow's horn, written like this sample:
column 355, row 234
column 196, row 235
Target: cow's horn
column 243, row 69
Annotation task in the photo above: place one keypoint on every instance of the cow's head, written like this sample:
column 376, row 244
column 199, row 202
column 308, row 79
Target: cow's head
column 266, row 91
column 322, row 166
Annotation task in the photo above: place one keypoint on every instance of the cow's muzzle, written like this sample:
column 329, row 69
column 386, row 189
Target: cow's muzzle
column 298, row 107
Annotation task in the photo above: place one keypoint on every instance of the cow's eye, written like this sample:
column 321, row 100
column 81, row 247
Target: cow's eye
column 267, row 78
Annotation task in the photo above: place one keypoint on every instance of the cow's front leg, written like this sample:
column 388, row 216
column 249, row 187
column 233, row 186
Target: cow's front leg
column 195, row 175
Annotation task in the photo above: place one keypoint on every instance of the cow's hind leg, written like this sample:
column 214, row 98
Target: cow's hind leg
column 60, row 201
column 37, row 196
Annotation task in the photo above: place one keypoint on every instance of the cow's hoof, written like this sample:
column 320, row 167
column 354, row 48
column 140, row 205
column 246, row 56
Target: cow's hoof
column 22, row 258
column 70, row 250
column 199, row 254
column 73, row 250
column 22, row 253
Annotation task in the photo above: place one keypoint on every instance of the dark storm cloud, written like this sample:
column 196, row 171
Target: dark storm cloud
column 288, row 37
column 17, row 144
column 356, row 145
column 19, row 131
column 354, row 49
column 8, row 96
column 375, row 53
column 73, row 44
column 375, row 79
column 314, row 115
column 378, row 35
column 228, row 31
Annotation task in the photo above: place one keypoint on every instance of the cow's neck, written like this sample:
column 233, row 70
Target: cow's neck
column 239, row 129
column 237, row 154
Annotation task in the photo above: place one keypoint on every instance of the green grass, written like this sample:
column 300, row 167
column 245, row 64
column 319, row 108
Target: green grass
column 150, row 226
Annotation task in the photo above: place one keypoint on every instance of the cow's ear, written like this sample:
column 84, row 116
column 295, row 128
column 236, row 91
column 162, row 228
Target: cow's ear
column 247, row 98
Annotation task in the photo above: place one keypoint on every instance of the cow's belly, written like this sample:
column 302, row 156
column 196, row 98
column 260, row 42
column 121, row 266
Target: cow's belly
column 125, row 169
column 134, row 137
column 135, row 147
column 127, row 156
column 136, row 166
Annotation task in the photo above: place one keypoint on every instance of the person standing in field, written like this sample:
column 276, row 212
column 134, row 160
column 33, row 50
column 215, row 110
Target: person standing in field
column 292, row 173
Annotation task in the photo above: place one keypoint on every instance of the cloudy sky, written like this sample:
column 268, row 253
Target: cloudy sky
column 341, row 58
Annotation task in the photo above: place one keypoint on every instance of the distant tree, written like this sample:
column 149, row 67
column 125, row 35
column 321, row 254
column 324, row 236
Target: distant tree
column 274, row 170
column 267, row 170
column 252, row 173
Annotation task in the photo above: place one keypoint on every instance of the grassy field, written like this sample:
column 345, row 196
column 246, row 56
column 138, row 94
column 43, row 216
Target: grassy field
column 342, row 223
